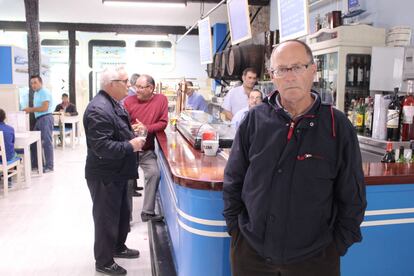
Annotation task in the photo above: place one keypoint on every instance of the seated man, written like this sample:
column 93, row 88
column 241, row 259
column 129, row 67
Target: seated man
column 194, row 100
column 66, row 107
column 255, row 98
column 8, row 136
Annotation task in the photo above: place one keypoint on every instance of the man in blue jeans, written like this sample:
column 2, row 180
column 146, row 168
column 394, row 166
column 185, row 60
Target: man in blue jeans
column 42, row 109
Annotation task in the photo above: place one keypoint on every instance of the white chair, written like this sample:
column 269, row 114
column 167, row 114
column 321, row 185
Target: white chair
column 59, row 130
column 8, row 168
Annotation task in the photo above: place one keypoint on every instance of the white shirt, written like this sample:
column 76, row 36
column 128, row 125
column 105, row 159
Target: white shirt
column 239, row 117
column 235, row 100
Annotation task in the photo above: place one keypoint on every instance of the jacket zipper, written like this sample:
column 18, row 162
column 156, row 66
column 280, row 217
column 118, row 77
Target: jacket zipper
column 308, row 155
column 291, row 128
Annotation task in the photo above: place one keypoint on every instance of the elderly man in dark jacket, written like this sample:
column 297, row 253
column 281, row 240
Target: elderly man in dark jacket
column 110, row 163
column 294, row 191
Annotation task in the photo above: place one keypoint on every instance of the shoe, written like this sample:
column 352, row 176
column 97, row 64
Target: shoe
column 139, row 188
column 127, row 254
column 137, row 194
column 153, row 217
column 113, row 269
column 47, row 170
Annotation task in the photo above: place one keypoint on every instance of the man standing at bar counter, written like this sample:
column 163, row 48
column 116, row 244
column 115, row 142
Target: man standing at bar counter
column 148, row 111
column 294, row 191
column 110, row 163
column 195, row 101
column 238, row 97
column 42, row 109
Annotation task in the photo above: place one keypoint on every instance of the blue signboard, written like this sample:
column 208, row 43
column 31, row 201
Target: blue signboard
column 239, row 20
column 293, row 19
column 206, row 44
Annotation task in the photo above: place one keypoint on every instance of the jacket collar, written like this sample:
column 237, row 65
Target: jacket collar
column 119, row 109
column 273, row 101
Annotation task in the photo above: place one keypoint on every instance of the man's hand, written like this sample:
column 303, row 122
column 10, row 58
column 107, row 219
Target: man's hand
column 137, row 143
column 138, row 125
column 28, row 109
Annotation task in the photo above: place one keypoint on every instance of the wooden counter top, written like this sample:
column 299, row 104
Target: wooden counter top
column 191, row 168
column 388, row 173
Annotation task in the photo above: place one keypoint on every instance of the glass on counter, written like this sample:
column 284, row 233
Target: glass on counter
column 193, row 123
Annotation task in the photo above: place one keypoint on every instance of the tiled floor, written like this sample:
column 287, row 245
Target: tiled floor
column 47, row 229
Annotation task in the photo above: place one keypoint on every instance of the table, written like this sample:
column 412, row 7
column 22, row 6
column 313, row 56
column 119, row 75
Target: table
column 74, row 121
column 23, row 140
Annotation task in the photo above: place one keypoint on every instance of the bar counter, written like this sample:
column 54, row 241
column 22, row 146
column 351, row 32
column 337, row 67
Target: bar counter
column 191, row 200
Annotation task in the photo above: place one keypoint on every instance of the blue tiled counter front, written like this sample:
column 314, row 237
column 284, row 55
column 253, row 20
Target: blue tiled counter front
column 387, row 248
column 196, row 227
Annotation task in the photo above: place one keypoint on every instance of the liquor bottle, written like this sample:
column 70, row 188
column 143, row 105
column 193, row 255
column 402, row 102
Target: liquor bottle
column 351, row 112
column 389, row 156
column 407, row 129
column 412, row 153
column 369, row 112
column 360, row 72
column 401, row 158
column 367, row 71
column 350, row 72
column 393, row 118
column 360, row 117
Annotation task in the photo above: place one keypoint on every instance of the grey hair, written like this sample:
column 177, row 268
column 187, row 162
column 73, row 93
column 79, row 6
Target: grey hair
column 133, row 79
column 306, row 46
column 109, row 74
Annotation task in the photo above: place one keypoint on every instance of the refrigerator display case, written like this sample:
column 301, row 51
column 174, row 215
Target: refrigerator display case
column 343, row 58
column 192, row 123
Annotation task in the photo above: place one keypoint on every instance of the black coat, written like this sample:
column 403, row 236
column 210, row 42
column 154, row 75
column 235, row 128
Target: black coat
column 290, row 198
column 108, row 131
column 71, row 109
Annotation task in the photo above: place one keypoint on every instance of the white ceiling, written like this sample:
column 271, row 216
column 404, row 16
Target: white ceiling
column 93, row 11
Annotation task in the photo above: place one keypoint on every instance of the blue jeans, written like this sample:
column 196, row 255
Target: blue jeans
column 45, row 125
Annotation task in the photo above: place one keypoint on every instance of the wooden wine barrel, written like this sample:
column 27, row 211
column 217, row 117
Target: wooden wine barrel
column 223, row 65
column 241, row 57
column 217, row 65
column 210, row 70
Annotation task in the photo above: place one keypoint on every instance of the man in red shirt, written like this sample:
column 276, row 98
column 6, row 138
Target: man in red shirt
column 148, row 111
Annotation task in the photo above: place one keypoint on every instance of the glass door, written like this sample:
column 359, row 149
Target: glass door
column 326, row 77
column 357, row 78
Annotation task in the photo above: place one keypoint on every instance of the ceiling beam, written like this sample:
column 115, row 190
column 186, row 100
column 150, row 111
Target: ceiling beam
column 98, row 28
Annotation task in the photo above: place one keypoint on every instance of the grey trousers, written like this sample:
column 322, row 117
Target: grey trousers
column 148, row 164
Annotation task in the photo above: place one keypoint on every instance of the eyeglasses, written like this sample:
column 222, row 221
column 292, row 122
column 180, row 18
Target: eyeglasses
column 142, row 87
column 297, row 69
column 124, row 81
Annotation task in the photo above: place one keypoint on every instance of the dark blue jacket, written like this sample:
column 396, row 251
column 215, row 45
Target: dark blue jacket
column 293, row 187
column 108, row 131
column 8, row 135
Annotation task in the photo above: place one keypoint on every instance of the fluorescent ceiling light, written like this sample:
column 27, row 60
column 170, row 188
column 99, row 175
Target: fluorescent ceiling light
column 146, row 3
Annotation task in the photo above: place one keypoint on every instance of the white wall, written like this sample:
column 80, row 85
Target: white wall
column 382, row 13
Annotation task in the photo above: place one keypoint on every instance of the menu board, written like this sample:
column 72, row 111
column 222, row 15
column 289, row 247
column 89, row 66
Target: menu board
column 293, row 19
column 205, row 41
column 239, row 20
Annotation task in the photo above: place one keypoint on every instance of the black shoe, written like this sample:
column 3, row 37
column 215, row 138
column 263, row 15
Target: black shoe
column 113, row 269
column 135, row 193
column 146, row 217
column 139, row 188
column 127, row 254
